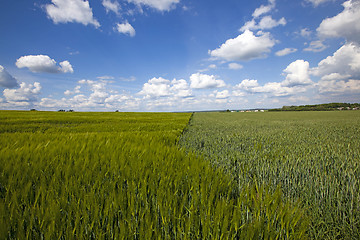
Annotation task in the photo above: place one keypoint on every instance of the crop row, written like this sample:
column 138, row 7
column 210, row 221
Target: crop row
column 122, row 176
column 313, row 157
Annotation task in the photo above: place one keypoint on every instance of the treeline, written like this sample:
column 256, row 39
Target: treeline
column 320, row 107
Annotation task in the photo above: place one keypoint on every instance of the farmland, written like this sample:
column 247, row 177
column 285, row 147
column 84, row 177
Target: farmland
column 313, row 157
column 123, row 176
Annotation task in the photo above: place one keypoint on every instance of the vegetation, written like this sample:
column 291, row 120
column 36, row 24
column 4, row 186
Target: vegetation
column 320, row 107
column 122, row 176
column 313, row 157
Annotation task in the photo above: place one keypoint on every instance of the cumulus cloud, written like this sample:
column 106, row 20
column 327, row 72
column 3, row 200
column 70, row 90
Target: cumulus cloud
column 160, row 87
column 156, row 87
column 43, row 63
column 23, row 96
column 6, row 80
column 266, row 22
column 245, row 47
column 285, row 51
column 274, row 88
column 161, row 5
column 222, row 94
column 64, row 11
column 339, row 86
column 66, row 67
column 247, row 85
column 99, row 91
column 346, row 24
column 297, row 73
column 345, row 61
column 71, row 92
column 111, row 6
column 204, row 81
column 335, row 76
column 180, row 88
column 263, row 9
column 96, row 95
column 235, row 66
column 126, row 29
column 316, row 46
column 296, row 81
column 305, row 32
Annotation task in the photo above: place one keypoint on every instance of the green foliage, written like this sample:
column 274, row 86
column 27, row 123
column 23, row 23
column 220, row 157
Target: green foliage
column 314, row 157
column 122, row 176
column 320, row 107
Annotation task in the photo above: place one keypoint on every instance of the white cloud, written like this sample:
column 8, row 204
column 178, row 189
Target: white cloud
column 111, row 6
column 276, row 89
column 266, row 22
column 71, row 92
column 345, row 61
column 126, row 28
column 339, row 87
column 305, row 32
column 99, row 91
column 297, row 79
column 6, row 80
column 160, row 87
column 180, row 88
column 316, row 46
column 64, row 11
column 235, row 66
column 297, row 73
column 23, row 96
column 245, row 47
column 204, row 81
column 156, row 87
column 334, row 76
column 116, row 98
column 43, row 63
column 66, row 67
column 161, row 5
column 317, row 2
column 99, row 98
column 346, row 24
column 285, row 51
column 222, row 94
column 247, row 85
column 263, row 9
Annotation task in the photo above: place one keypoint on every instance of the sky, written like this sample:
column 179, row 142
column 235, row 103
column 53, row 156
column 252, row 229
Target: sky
column 177, row 55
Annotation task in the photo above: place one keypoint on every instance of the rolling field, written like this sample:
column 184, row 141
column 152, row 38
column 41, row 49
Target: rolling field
column 313, row 157
column 123, row 176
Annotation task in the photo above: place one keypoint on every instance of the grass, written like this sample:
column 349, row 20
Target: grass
column 123, row 176
column 313, row 157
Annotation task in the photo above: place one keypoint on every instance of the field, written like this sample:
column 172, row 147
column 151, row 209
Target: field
column 123, row 176
column 313, row 157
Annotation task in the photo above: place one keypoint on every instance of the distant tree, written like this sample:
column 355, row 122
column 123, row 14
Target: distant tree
column 71, row 110
column 320, row 107
column 117, row 111
column 61, row 110
column 33, row 109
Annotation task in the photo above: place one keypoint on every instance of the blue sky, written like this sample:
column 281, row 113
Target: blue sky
column 177, row 55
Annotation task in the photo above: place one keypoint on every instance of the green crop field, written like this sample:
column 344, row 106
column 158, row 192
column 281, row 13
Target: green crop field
column 312, row 157
column 124, row 176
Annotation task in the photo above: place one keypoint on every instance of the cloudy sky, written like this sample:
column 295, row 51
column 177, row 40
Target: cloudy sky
column 177, row 55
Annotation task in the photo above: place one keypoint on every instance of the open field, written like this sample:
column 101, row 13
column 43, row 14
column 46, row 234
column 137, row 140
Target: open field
column 314, row 157
column 122, row 176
